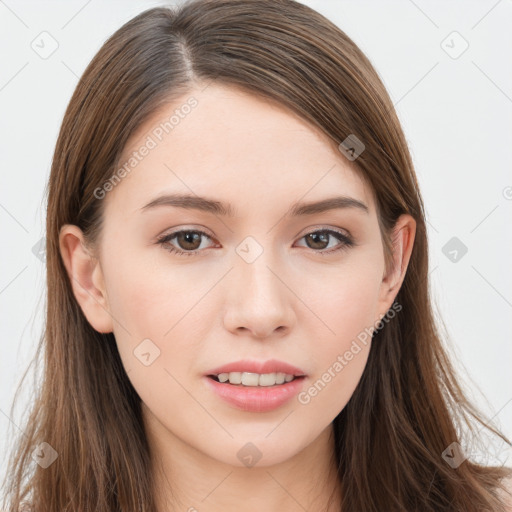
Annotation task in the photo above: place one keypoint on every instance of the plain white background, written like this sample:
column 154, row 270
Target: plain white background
column 453, row 94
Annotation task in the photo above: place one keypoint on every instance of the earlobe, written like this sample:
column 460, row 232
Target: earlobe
column 86, row 278
column 402, row 243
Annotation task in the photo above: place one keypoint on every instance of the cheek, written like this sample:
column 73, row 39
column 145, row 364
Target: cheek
column 165, row 305
column 145, row 298
column 345, row 300
column 340, row 356
column 347, row 307
column 325, row 395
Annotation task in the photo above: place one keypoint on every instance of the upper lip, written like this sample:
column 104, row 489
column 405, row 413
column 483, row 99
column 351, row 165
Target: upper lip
column 261, row 367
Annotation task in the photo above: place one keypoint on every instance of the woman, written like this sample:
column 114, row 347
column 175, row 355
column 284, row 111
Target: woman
column 238, row 310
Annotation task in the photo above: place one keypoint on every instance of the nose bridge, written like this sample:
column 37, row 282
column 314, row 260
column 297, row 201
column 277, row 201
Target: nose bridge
column 257, row 298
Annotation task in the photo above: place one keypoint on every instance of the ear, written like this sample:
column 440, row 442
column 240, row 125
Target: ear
column 86, row 278
column 402, row 243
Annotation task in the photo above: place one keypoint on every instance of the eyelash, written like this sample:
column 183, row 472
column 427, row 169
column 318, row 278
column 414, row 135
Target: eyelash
column 347, row 241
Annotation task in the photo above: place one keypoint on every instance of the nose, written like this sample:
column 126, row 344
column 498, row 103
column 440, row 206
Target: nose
column 258, row 300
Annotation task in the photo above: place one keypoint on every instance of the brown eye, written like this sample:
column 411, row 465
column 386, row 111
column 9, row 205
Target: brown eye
column 319, row 241
column 188, row 242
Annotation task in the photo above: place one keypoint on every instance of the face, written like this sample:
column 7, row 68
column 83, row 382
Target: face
column 188, row 290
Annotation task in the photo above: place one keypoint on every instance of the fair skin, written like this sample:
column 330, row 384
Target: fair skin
column 291, row 303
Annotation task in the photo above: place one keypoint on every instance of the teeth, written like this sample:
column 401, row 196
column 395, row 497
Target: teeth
column 255, row 379
column 250, row 379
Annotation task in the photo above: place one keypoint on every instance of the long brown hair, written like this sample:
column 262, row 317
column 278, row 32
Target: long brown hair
column 408, row 407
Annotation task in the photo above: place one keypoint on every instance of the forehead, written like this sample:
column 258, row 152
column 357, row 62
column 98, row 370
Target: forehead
column 233, row 144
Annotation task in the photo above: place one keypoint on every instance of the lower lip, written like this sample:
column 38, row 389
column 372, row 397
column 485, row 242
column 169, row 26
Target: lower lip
column 256, row 399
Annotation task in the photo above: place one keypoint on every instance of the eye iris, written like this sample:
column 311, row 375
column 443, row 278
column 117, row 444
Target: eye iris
column 315, row 237
column 188, row 237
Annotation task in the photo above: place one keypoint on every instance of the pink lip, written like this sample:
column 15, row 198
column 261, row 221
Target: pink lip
column 270, row 366
column 256, row 399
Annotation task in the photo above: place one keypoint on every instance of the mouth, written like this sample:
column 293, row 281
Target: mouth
column 254, row 392
column 255, row 380
column 255, row 386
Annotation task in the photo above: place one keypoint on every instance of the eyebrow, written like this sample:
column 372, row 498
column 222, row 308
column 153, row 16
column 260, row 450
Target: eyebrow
column 192, row 202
